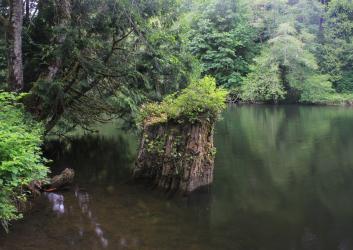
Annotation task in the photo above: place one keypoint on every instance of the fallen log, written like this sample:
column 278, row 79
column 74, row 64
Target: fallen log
column 59, row 181
column 65, row 178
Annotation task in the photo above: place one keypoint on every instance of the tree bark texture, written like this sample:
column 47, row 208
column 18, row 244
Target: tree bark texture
column 177, row 157
column 14, row 43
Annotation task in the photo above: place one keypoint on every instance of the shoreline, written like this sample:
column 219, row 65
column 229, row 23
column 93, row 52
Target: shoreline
column 329, row 104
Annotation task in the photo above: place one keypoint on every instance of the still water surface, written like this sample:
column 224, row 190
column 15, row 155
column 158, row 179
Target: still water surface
column 283, row 181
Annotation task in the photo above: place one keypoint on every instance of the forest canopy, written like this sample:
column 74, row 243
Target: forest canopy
column 92, row 61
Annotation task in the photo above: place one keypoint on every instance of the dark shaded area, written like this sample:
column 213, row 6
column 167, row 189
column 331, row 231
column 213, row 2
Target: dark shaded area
column 96, row 160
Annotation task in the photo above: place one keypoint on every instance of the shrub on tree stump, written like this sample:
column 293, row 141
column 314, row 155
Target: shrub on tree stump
column 176, row 150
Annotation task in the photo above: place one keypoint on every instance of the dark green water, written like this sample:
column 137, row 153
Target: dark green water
column 283, row 181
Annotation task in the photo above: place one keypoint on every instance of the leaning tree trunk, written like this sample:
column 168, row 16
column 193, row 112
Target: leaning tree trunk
column 63, row 18
column 14, row 43
column 177, row 157
column 63, row 10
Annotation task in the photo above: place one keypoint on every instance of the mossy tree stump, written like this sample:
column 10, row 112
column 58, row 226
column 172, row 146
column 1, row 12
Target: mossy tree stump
column 177, row 157
column 176, row 149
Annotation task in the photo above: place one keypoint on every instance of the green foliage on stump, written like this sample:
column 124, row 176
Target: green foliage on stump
column 201, row 97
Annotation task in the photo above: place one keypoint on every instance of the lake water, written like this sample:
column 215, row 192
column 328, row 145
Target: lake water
column 283, row 181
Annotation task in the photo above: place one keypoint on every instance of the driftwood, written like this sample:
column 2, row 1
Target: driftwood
column 59, row 181
column 56, row 183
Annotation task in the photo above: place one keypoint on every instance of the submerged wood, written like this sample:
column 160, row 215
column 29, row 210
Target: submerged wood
column 177, row 157
column 59, row 181
column 65, row 178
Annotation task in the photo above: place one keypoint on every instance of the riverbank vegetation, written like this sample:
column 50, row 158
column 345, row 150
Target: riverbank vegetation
column 20, row 156
column 83, row 62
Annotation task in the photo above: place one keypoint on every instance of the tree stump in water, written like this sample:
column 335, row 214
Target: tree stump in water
column 176, row 149
column 177, row 157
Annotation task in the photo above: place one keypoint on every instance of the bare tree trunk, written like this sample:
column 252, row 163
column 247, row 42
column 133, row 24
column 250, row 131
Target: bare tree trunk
column 14, row 43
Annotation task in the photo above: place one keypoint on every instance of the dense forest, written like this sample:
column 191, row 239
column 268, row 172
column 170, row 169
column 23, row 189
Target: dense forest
column 71, row 63
column 79, row 59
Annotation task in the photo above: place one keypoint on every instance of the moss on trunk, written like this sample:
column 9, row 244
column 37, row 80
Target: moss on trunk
column 177, row 156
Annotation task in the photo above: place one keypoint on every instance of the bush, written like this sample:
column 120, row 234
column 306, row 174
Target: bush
column 263, row 84
column 21, row 160
column 317, row 89
column 200, row 97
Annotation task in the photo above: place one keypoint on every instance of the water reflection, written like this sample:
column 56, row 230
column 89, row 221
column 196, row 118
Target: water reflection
column 57, row 202
column 283, row 181
column 83, row 199
column 287, row 170
column 97, row 160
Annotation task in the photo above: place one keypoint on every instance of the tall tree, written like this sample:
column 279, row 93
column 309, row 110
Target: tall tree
column 92, row 60
column 287, row 60
column 336, row 50
column 62, row 20
column 14, row 44
column 224, row 41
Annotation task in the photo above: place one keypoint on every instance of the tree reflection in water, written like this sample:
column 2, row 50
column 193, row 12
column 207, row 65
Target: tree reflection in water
column 283, row 180
column 83, row 199
column 57, row 202
column 83, row 202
